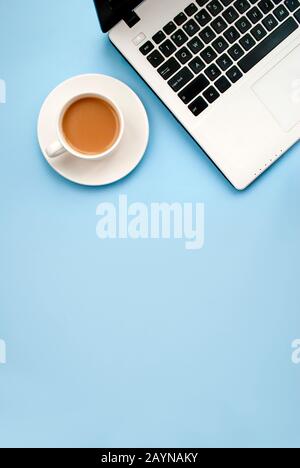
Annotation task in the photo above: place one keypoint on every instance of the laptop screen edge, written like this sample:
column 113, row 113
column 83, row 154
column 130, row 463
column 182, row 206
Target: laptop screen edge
column 110, row 12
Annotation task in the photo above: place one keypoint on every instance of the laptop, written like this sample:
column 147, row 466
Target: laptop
column 228, row 70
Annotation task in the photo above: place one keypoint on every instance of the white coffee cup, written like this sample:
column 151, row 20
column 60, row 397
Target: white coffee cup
column 61, row 146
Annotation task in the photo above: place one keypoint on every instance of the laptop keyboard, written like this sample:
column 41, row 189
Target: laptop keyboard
column 210, row 45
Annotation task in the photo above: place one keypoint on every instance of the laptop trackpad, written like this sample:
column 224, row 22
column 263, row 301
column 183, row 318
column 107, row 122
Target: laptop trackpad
column 279, row 90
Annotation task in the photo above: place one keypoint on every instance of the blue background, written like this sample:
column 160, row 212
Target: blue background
column 137, row 343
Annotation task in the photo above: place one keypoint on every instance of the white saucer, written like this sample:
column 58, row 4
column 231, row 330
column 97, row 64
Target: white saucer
column 133, row 144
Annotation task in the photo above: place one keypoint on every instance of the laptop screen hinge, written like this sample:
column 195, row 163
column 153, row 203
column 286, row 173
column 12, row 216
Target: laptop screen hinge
column 131, row 19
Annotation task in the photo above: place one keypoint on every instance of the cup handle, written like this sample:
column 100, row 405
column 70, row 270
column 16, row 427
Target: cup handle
column 55, row 150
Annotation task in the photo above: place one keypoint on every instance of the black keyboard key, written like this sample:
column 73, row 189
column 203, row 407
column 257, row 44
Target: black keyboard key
column 159, row 37
column 207, row 35
column 202, row 2
column 203, row 17
column 267, row 45
column 155, row 58
column 208, row 55
column 292, row 5
column 219, row 25
column 297, row 16
column 179, row 37
column 232, row 34
column 220, row 45
column 193, row 89
column 247, row 42
column 195, row 45
column 167, row 48
column 169, row 68
column 191, row 9
column 222, row 84
column 258, row 32
column 230, row 15
column 254, row 15
column 147, row 48
column 191, row 28
column 234, row 74
column 236, row 52
column 281, row 13
column 180, row 19
column 169, row 28
column 197, row 65
column 224, row 62
column 242, row 6
column 270, row 22
column 215, row 7
column 266, row 6
column 178, row 81
column 243, row 25
column 226, row 3
column 198, row 106
column 211, row 94
column 212, row 72
column 183, row 55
